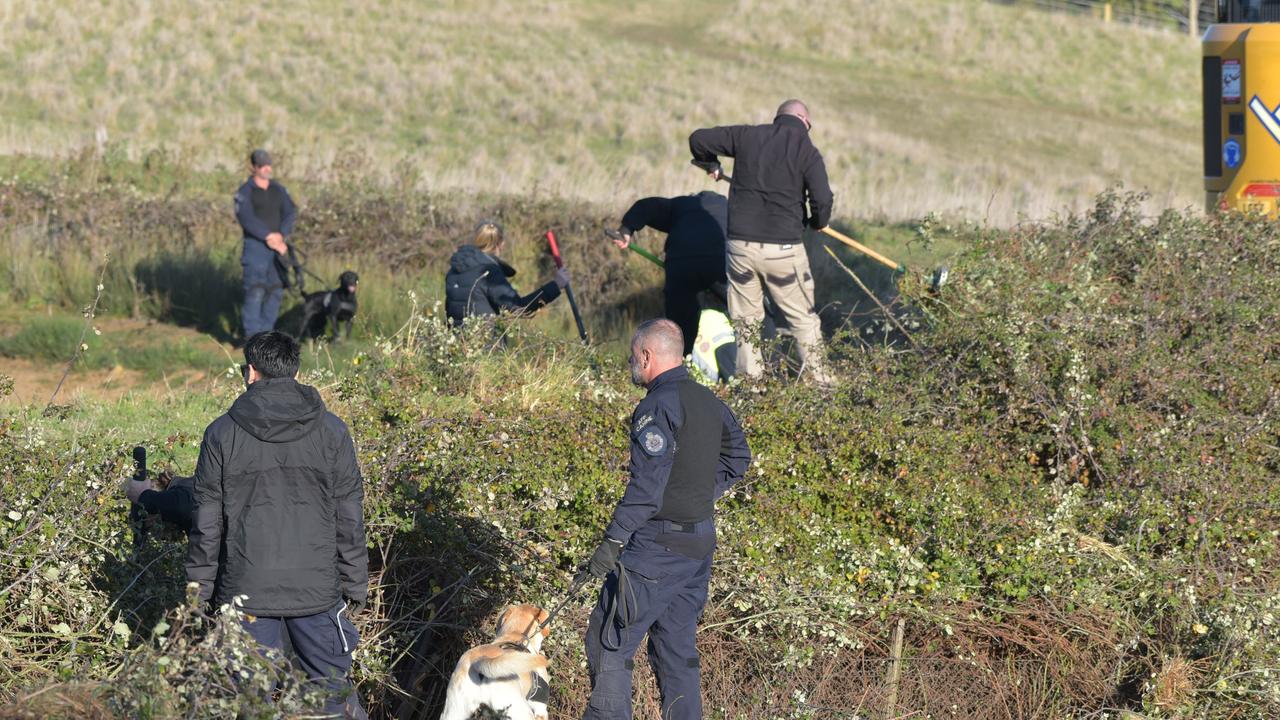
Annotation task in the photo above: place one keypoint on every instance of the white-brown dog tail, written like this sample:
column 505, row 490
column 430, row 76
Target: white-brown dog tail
column 507, row 664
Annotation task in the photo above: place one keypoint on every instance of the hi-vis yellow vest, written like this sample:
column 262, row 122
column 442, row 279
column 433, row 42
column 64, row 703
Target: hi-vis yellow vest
column 714, row 330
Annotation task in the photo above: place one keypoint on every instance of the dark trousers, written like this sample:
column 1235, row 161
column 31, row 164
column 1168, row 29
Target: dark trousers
column 667, row 593
column 323, row 644
column 684, row 280
column 263, row 289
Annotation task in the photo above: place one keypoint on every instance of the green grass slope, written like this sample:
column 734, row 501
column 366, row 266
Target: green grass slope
column 968, row 107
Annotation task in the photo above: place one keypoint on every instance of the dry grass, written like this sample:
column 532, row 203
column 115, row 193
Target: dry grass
column 1176, row 683
column 81, row 701
column 964, row 107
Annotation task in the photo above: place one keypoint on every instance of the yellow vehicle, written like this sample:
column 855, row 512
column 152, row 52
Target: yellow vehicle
column 1241, row 57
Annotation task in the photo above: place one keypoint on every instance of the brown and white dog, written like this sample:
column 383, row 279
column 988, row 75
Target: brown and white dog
column 508, row 675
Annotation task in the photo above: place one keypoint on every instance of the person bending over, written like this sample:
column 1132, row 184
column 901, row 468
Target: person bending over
column 779, row 188
column 170, row 497
column 478, row 282
column 693, row 253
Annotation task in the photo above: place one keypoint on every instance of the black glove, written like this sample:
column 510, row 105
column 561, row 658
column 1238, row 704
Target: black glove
column 604, row 559
column 705, row 165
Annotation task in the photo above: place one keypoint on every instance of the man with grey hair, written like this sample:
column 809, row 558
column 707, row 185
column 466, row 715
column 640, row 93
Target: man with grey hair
column 687, row 449
column 779, row 187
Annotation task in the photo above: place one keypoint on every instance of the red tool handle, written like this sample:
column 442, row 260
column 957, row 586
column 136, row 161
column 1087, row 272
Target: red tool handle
column 555, row 249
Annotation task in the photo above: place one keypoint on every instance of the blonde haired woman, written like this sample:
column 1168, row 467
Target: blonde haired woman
column 477, row 282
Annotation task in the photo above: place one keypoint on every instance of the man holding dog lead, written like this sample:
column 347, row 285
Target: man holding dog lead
column 687, row 450
column 777, row 172
column 266, row 214
column 279, row 519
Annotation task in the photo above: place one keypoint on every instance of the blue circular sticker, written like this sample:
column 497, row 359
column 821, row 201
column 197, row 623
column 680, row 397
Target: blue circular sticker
column 1232, row 153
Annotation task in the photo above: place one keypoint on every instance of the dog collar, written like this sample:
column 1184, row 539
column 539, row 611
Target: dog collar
column 539, row 690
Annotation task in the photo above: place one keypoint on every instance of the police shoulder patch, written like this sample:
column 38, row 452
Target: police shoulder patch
column 642, row 422
column 653, row 442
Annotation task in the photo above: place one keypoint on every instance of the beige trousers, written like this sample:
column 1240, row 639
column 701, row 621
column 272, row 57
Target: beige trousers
column 784, row 271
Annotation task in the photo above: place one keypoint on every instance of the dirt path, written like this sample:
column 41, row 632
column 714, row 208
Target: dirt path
column 34, row 382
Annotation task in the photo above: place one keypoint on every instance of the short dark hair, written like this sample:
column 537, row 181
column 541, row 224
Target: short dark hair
column 273, row 354
column 661, row 336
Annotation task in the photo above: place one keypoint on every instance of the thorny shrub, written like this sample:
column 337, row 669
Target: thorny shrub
column 1066, row 490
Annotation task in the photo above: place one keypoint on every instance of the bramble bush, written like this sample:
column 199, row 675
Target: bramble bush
column 1064, row 488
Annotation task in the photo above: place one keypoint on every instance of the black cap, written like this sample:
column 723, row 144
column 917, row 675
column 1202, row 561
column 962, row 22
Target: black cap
column 259, row 157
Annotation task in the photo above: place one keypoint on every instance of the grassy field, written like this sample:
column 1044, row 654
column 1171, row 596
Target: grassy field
column 970, row 108
column 1060, row 490
column 161, row 240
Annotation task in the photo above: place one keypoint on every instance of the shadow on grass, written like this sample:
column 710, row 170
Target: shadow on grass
column 846, row 307
column 193, row 288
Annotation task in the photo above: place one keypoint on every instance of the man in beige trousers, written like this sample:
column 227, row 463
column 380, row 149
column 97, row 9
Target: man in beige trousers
column 779, row 187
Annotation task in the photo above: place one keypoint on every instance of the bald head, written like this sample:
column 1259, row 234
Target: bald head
column 795, row 108
column 657, row 347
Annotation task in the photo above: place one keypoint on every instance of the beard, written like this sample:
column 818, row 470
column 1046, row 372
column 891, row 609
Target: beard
column 637, row 375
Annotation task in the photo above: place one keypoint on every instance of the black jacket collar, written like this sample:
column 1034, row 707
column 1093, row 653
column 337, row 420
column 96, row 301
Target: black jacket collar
column 675, row 374
column 790, row 121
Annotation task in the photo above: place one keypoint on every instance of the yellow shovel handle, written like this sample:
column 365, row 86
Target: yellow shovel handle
column 862, row 249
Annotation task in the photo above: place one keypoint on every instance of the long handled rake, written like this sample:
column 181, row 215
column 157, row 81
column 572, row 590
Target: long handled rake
column 937, row 278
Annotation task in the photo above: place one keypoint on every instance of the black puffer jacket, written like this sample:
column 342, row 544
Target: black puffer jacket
column 175, row 504
column 279, row 506
column 477, row 284
column 776, row 169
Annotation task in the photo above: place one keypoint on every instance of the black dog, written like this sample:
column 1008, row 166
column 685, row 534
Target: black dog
column 330, row 307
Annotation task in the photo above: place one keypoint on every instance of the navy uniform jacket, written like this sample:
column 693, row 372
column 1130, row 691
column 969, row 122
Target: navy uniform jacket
column 175, row 504
column 255, row 252
column 259, row 228
column 655, row 427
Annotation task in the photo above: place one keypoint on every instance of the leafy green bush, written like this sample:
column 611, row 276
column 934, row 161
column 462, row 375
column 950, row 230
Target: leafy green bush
column 1065, row 488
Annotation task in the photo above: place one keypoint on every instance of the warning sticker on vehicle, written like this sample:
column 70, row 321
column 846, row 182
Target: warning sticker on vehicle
column 1232, row 153
column 1230, row 81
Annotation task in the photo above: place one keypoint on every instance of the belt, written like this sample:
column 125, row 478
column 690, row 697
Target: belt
column 685, row 527
column 763, row 245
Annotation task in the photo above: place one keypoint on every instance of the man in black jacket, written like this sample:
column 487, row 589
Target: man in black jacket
column 279, row 522
column 693, row 253
column 266, row 214
column 776, row 172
